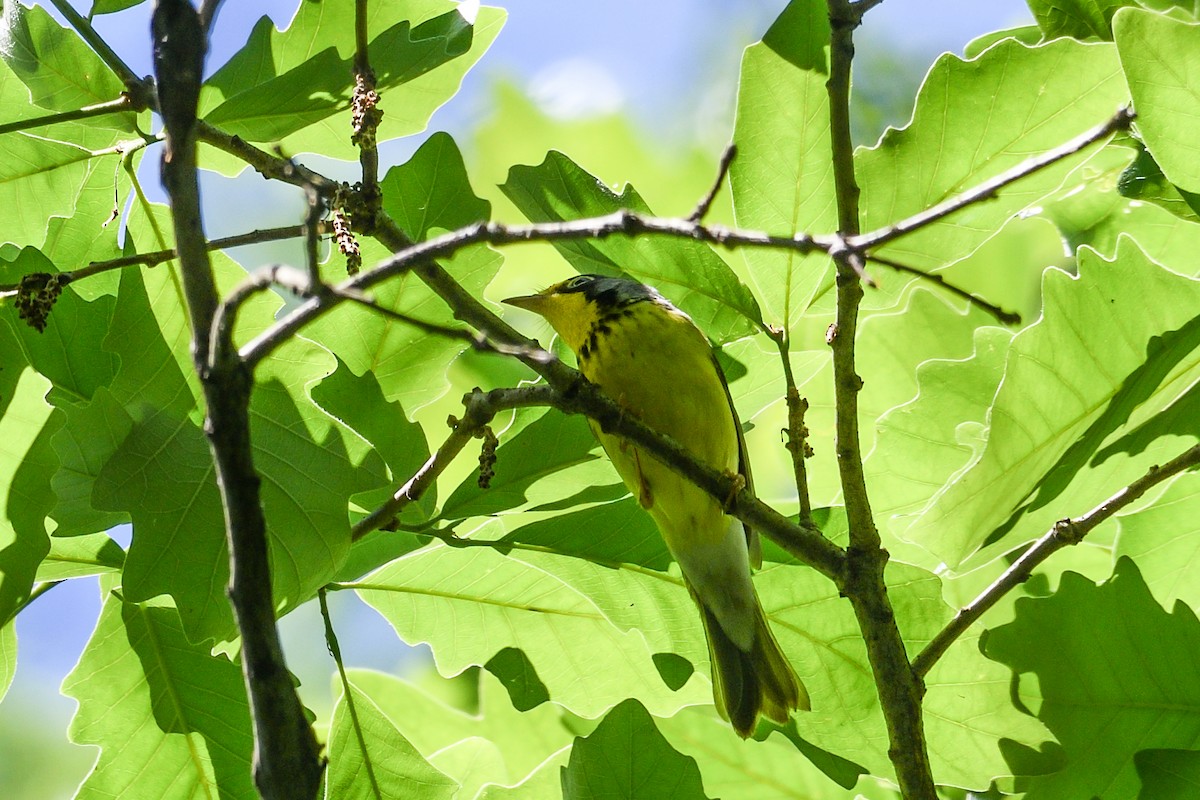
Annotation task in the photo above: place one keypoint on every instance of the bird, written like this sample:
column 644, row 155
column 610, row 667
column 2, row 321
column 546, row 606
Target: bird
column 651, row 359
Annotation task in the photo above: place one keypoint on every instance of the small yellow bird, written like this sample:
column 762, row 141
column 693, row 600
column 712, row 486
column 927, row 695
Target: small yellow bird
column 652, row 360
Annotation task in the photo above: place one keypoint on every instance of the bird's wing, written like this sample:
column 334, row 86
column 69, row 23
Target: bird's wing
column 753, row 545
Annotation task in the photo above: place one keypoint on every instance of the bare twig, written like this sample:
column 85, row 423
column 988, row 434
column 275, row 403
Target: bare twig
column 620, row 223
column 796, row 431
column 986, row 190
column 156, row 257
column 120, row 105
column 706, row 202
column 476, row 339
column 264, row 163
column 1063, row 533
column 1002, row 316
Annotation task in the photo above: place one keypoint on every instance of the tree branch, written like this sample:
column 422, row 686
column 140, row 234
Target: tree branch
column 900, row 690
column 1065, row 532
column 1119, row 121
column 287, row 763
column 578, row 396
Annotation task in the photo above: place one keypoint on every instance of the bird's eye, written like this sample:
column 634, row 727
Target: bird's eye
column 578, row 281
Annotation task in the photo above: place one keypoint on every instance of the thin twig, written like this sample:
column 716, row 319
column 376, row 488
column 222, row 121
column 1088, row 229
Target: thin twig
column 620, row 223
column 476, row 339
column 120, row 105
column 702, row 208
column 796, row 431
column 1063, row 533
column 335, row 651
column 1002, row 316
column 264, row 163
column 1119, row 121
column 156, row 257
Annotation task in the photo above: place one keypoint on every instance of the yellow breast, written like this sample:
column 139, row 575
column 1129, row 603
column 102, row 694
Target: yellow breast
column 654, row 362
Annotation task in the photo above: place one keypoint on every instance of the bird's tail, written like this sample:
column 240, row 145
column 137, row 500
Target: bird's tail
column 749, row 683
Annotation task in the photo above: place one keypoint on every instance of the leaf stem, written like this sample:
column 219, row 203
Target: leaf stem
column 1063, row 533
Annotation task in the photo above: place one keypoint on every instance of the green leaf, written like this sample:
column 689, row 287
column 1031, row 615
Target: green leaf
column 689, row 273
column 80, row 556
column 62, row 73
column 370, row 758
column 429, row 194
column 419, row 50
column 1161, row 59
column 972, row 121
column 26, row 464
column 1105, row 687
column 170, row 718
column 748, row 768
column 1162, row 540
column 89, row 438
column 310, row 465
column 8, row 657
column 161, row 474
column 1092, row 211
column 1144, row 180
column 1026, row 34
column 523, row 739
column 1069, row 423
column 1168, row 774
column 626, row 757
column 555, row 609
column 1078, row 18
column 924, row 442
column 358, row 401
column 670, row 176
column 111, row 6
column 513, row 670
column 780, row 179
column 613, row 533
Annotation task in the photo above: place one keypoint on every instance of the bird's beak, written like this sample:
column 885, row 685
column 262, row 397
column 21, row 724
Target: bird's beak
column 530, row 302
